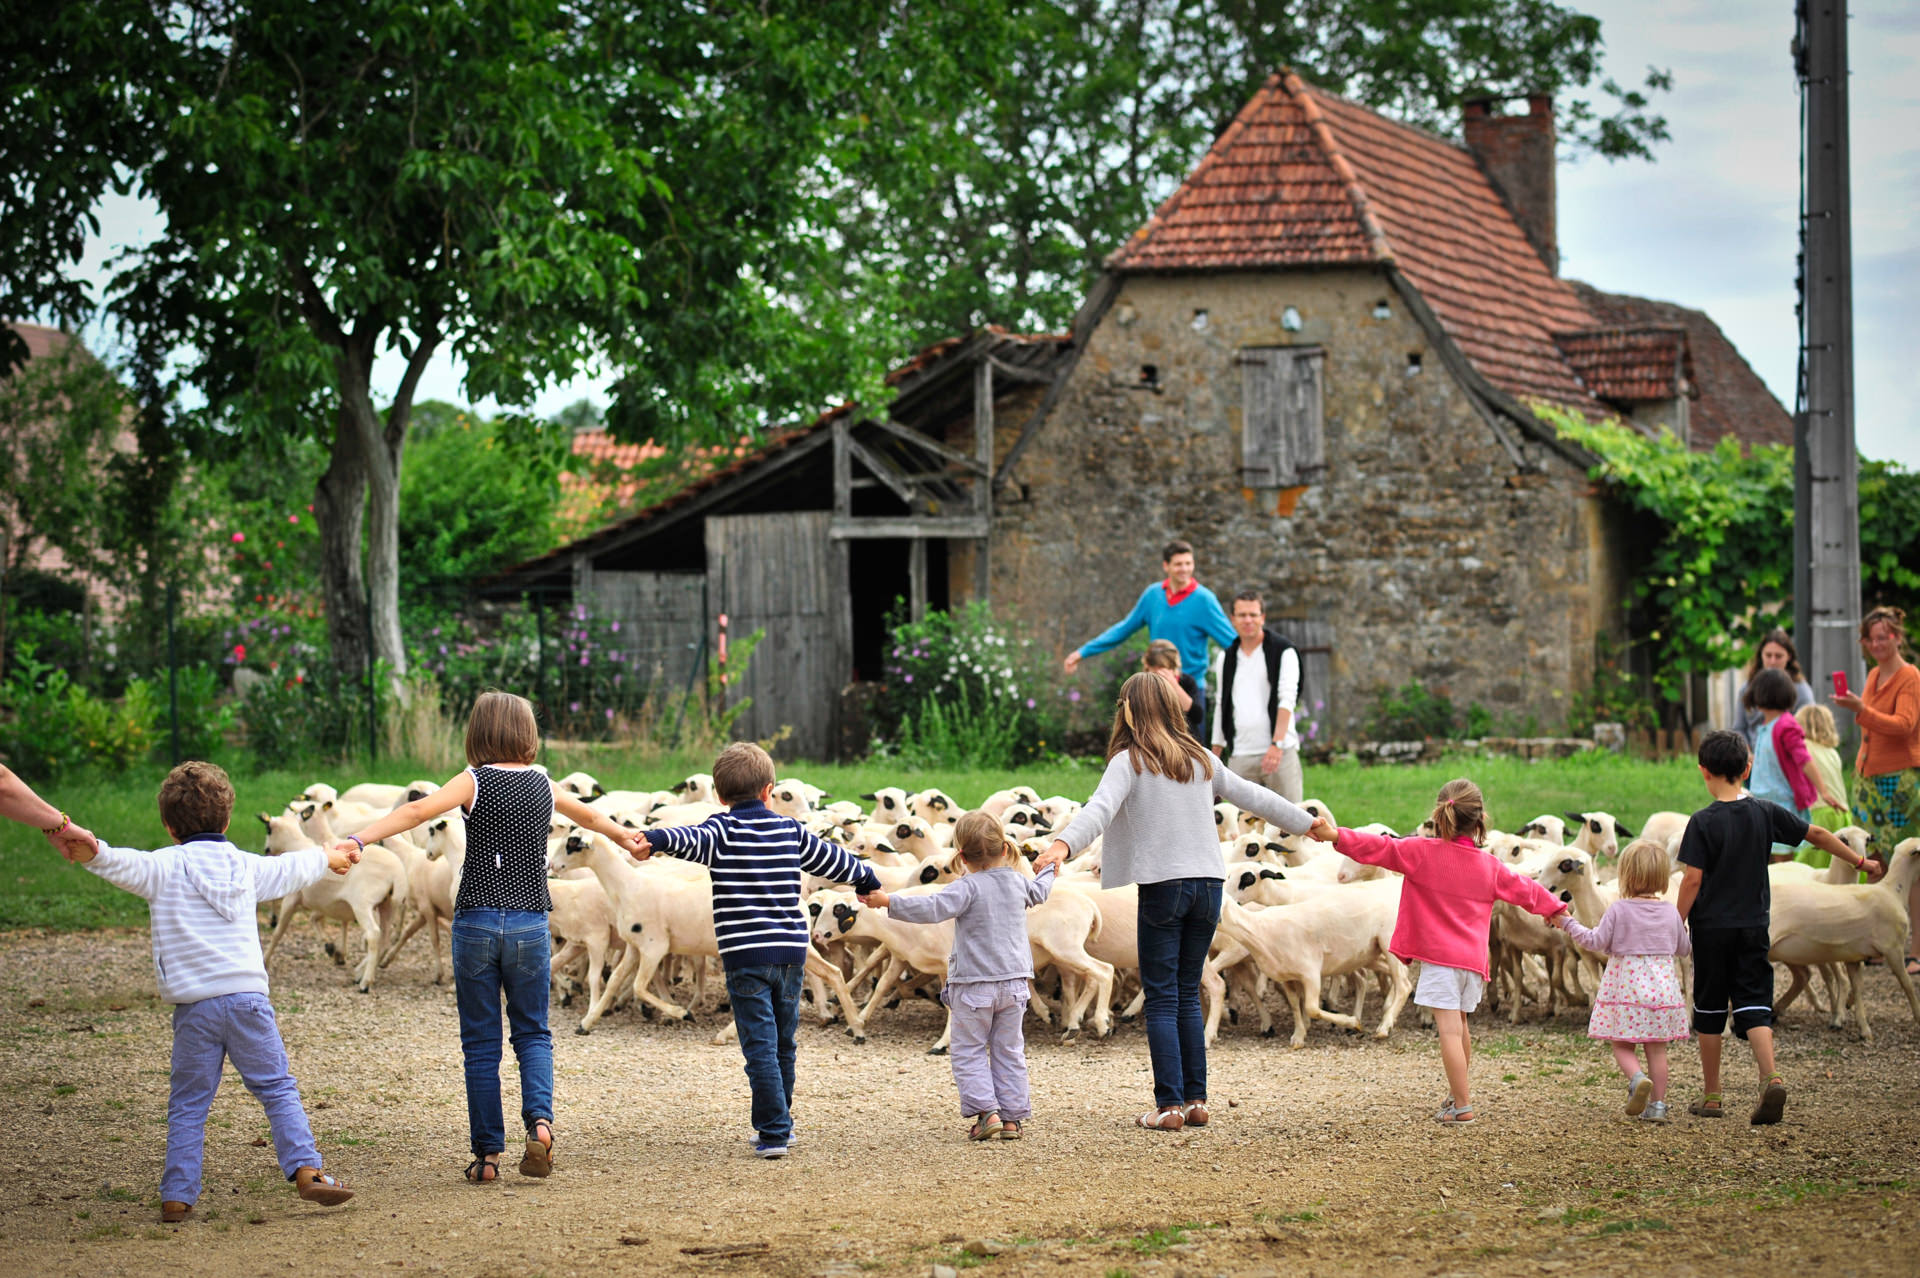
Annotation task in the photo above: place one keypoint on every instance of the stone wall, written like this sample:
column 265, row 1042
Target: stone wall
column 1423, row 547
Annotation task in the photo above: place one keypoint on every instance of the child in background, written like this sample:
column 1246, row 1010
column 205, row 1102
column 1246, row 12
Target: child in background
column 988, row 973
column 1823, row 750
column 1446, row 909
column 1163, row 659
column 757, row 856
column 203, row 895
column 1639, row 1002
column 1782, row 769
column 1726, row 901
column 501, row 943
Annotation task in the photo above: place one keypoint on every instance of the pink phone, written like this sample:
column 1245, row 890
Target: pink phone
column 1839, row 683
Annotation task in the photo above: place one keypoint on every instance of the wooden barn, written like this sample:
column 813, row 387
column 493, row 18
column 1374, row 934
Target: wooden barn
column 816, row 536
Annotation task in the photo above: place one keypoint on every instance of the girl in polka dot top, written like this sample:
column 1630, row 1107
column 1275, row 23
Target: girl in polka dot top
column 500, row 939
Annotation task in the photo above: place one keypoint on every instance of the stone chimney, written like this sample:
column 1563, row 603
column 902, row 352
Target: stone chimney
column 1517, row 152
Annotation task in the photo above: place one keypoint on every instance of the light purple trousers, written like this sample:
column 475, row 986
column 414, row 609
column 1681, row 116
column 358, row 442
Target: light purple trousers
column 206, row 1035
column 989, row 1050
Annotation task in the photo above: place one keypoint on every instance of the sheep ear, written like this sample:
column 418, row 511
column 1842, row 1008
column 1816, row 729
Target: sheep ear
column 869, row 797
column 1625, row 833
column 599, row 791
column 327, row 806
column 307, row 813
column 266, row 820
column 1575, row 817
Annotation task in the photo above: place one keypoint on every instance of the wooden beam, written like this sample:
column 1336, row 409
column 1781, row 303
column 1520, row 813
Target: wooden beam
column 909, row 435
column 983, row 431
column 1019, row 373
column 842, row 472
column 917, row 579
column 883, row 471
column 909, row 526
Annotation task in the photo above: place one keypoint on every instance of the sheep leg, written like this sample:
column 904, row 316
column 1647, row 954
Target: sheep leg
column 397, row 917
column 1395, row 990
column 557, row 966
column 289, row 906
column 651, row 968
column 1855, row 973
column 946, row 1038
column 421, row 918
column 1213, row 992
column 1132, row 1010
column 825, row 971
column 1897, row 964
column 1836, row 1005
column 1093, row 980
column 370, row 928
column 1798, row 983
column 888, row 979
column 622, row 975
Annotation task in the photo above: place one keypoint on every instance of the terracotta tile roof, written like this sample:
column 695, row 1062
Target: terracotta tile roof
column 1728, row 396
column 1304, row 178
column 1629, row 365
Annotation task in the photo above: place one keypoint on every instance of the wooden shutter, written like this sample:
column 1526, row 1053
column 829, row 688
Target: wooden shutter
column 1280, row 436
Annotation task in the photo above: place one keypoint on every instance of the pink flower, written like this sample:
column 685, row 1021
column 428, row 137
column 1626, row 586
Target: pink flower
column 238, row 538
column 294, row 519
column 239, row 652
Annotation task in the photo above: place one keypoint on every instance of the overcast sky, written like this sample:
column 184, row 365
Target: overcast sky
column 1710, row 224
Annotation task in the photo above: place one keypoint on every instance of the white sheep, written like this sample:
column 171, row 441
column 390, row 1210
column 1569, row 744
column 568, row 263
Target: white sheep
column 371, row 894
column 1815, row 923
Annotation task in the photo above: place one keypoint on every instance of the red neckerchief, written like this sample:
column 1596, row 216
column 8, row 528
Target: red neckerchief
column 1193, row 584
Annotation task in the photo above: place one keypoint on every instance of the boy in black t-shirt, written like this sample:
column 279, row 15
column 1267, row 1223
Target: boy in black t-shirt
column 1724, row 896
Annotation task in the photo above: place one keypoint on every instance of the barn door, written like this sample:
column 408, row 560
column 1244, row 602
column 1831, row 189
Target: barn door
column 782, row 574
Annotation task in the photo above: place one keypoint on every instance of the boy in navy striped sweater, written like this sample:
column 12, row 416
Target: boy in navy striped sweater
column 756, row 857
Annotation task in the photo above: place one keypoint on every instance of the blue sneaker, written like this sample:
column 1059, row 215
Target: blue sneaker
column 770, row 1149
column 793, row 1138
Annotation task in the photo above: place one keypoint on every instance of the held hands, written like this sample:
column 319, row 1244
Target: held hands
column 1874, row 868
column 875, row 899
column 1324, row 831
column 634, row 843
column 1055, row 854
column 343, row 856
column 75, row 844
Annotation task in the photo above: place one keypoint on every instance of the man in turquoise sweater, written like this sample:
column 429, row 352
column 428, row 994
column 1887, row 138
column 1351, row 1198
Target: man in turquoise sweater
column 1178, row 609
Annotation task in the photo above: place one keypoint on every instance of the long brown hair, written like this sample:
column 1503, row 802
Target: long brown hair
column 1781, row 639
column 1459, row 810
column 1149, row 723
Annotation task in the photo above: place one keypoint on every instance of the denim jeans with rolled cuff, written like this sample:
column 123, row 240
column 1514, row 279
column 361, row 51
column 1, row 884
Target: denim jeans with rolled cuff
column 503, row 954
column 766, row 1013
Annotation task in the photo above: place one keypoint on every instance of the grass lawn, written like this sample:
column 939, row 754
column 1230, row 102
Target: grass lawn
column 38, row 889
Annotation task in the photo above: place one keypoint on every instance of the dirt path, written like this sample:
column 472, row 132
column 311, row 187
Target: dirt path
column 1321, row 1161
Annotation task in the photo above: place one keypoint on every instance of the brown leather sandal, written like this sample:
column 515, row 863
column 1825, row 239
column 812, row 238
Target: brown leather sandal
column 174, row 1213
column 316, row 1186
column 483, row 1171
column 538, row 1160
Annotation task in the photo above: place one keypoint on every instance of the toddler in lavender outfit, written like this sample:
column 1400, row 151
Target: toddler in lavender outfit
column 1639, row 1003
column 988, row 973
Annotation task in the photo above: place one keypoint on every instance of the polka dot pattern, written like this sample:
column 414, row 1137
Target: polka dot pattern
column 507, row 841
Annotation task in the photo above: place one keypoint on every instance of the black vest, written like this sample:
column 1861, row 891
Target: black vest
column 1272, row 645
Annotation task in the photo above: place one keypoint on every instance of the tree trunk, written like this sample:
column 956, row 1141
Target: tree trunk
column 339, row 506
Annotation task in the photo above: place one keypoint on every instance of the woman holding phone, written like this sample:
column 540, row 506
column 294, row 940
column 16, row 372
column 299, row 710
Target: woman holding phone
column 1886, row 787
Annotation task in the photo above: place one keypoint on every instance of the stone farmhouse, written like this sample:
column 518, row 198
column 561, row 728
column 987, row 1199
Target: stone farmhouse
column 1319, row 361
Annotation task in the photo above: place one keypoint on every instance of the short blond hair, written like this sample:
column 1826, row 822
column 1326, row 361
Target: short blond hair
column 502, row 729
column 1644, row 869
column 741, row 772
column 196, row 798
column 1816, row 721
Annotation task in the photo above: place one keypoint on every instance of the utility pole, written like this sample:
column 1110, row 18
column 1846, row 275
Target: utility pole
column 1826, row 542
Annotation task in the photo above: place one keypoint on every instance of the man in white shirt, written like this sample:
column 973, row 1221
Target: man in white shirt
column 1253, row 713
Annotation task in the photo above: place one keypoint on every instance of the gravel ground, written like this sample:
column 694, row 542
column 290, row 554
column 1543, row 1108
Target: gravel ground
column 1321, row 1161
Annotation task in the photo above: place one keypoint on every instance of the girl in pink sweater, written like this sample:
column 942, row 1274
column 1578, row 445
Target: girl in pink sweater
column 1639, row 1002
column 1446, row 908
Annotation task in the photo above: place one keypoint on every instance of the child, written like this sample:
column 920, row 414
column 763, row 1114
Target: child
column 1823, row 749
column 1639, row 1000
column 988, row 973
column 1446, row 908
column 756, row 857
column 1725, row 900
column 206, row 951
column 501, row 945
column 1782, row 769
column 1163, row 659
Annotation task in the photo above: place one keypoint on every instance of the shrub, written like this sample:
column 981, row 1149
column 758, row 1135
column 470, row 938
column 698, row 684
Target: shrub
column 52, row 724
column 310, row 714
column 965, row 672
column 1410, row 713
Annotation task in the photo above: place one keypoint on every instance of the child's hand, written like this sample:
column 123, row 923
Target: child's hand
column 635, row 843
column 875, row 899
column 342, row 856
column 1324, row 831
column 1875, row 869
column 1056, row 853
column 1560, row 920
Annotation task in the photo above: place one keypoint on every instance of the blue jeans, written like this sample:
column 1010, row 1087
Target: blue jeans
column 1177, row 919
column 499, row 952
column 238, row 1028
column 766, row 1012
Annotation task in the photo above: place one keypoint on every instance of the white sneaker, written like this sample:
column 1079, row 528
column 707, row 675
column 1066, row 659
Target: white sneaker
column 1639, row 1089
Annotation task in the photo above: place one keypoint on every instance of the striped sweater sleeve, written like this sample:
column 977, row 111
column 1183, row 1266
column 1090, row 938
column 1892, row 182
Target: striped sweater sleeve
column 699, row 843
column 821, row 858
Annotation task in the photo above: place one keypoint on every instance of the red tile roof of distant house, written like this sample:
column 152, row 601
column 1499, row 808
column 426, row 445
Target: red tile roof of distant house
column 1303, row 178
column 1728, row 396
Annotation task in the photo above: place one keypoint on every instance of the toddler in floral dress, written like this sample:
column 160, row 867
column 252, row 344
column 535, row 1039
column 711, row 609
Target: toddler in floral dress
column 1639, row 1003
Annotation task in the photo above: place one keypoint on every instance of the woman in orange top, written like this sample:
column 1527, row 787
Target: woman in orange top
column 1886, row 795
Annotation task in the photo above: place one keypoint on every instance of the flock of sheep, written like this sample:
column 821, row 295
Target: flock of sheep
column 1298, row 914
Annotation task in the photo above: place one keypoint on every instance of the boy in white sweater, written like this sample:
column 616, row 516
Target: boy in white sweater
column 203, row 895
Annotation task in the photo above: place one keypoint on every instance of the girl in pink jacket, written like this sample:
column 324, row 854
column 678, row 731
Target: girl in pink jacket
column 1446, row 908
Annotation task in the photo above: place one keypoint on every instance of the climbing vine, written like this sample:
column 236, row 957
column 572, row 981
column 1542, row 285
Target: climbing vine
column 1719, row 572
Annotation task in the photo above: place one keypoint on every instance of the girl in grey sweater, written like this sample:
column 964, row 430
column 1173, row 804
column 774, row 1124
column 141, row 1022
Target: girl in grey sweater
column 987, row 973
column 1155, row 807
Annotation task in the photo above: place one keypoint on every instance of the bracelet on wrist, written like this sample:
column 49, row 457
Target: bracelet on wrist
column 358, row 842
column 65, row 821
